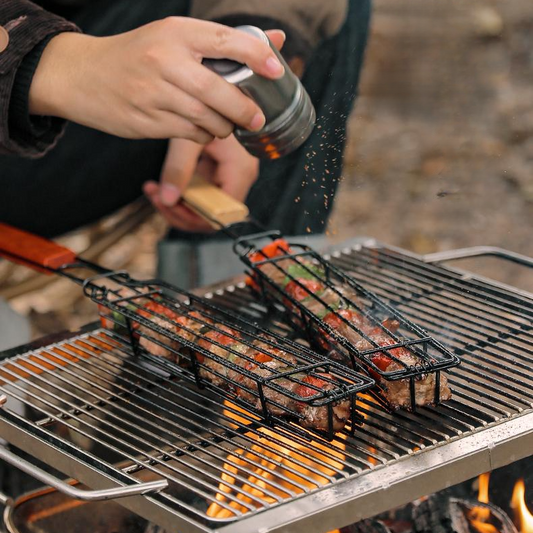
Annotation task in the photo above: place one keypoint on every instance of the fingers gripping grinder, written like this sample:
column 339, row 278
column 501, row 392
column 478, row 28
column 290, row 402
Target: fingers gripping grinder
column 290, row 115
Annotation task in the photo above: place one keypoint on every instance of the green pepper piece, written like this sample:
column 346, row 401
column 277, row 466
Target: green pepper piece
column 300, row 272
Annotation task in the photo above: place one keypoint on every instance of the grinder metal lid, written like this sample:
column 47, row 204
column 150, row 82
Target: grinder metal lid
column 290, row 115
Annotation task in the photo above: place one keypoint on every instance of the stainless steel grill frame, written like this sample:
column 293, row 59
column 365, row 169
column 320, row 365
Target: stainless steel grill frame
column 157, row 425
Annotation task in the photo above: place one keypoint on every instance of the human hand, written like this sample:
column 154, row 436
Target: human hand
column 150, row 83
column 223, row 162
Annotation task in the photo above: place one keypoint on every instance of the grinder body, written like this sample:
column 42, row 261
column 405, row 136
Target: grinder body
column 290, row 115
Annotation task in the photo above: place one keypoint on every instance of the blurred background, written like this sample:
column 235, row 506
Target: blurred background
column 439, row 155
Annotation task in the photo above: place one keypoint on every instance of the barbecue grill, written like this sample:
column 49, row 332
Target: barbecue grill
column 113, row 421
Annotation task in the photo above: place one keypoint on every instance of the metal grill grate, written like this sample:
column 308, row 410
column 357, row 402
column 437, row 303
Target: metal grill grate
column 93, row 405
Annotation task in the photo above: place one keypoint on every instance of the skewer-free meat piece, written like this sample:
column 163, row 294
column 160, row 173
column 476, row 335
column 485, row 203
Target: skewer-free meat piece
column 269, row 361
column 397, row 392
column 161, row 316
column 266, row 361
column 216, row 341
column 346, row 322
column 303, row 386
column 157, row 343
column 317, row 417
column 276, row 272
column 114, row 320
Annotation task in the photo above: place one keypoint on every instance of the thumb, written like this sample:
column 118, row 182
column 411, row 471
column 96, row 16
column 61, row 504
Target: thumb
column 178, row 168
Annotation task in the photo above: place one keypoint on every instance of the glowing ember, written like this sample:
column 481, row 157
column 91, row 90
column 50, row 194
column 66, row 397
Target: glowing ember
column 483, row 527
column 280, row 467
column 523, row 516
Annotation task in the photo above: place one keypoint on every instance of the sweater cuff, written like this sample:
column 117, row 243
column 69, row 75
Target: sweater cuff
column 29, row 26
column 25, row 127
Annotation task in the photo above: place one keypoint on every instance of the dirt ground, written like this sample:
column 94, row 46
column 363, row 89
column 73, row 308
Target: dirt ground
column 440, row 151
column 440, row 154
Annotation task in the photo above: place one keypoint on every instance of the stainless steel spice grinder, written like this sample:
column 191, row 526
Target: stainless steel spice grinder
column 290, row 115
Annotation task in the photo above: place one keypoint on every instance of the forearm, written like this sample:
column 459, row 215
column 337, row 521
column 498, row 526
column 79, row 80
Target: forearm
column 29, row 27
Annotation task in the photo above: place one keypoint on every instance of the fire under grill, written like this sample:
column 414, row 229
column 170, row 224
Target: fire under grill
column 102, row 415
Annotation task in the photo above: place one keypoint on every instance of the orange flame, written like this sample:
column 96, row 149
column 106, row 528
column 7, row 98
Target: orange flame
column 284, row 467
column 479, row 515
column 522, row 513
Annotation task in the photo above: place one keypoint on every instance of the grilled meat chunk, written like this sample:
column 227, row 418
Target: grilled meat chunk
column 155, row 342
column 216, row 341
column 302, row 386
column 397, row 392
column 160, row 316
column 317, row 417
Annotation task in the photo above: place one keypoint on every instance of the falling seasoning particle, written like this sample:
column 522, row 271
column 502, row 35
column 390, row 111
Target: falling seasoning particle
column 308, row 229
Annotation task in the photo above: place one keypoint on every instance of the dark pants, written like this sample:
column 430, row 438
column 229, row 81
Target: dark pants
column 91, row 174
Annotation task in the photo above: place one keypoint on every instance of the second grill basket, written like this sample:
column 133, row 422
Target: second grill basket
column 349, row 322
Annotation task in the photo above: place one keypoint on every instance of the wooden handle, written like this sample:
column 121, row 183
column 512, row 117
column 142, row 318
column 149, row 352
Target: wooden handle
column 213, row 204
column 33, row 251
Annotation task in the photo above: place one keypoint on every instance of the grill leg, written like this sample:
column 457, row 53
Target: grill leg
column 14, row 328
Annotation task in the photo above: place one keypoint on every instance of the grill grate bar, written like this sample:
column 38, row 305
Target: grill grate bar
column 425, row 314
column 135, row 450
column 438, row 278
column 495, row 369
column 21, row 396
column 198, row 427
column 148, row 421
column 467, row 325
column 390, row 287
column 191, row 410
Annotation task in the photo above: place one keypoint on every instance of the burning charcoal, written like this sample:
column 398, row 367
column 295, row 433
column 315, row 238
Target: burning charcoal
column 441, row 514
